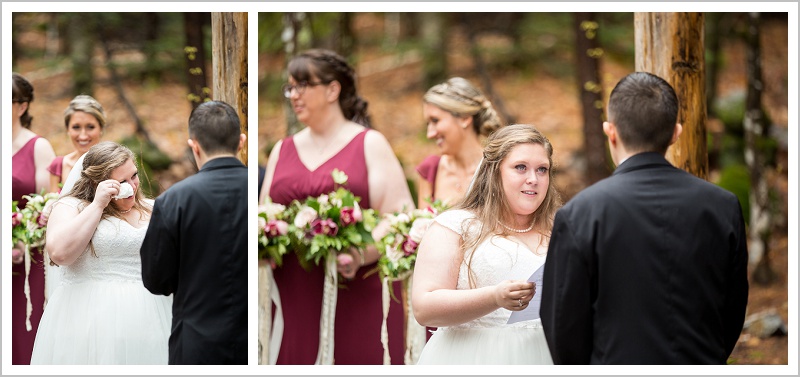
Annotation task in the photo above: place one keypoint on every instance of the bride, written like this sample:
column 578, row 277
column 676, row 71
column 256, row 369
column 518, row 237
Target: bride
column 470, row 278
column 101, row 312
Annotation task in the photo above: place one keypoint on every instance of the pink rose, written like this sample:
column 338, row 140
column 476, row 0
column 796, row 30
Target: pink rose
column 344, row 259
column 357, row 212
column 275, row 228
column 41, row 220
column 348, row 216
column 409, row 246
column 16, row 256
column 326, row 227
column 16, row 219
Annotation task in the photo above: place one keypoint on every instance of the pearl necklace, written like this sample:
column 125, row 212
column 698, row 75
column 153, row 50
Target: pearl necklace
column 517, row 230
column 124, row 212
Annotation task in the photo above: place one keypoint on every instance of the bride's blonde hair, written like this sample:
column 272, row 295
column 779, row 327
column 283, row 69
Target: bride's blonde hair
column 98, row 163
column 486, row 198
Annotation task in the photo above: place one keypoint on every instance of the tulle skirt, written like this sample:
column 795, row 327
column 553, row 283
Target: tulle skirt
column 104, row 322
column 492, row 346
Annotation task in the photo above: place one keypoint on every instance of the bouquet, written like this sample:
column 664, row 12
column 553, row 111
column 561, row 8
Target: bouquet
column 331, row 223
column 398, row 247
column 29, row 224
column 273, row 231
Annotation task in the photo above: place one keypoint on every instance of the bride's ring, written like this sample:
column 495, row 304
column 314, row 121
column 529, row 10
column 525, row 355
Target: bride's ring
column 520, row 303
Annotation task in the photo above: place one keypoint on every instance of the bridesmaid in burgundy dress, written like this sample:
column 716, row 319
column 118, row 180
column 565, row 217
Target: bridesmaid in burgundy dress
column 323, row 95
column 84, row 120
column 31, row 155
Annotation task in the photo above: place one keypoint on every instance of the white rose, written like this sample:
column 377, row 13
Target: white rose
column 419, row 228
column 393, row 254
column 305, row 216
column 272, row 209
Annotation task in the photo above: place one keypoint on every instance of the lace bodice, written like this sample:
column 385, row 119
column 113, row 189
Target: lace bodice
column 496, row 259
column 116, row 244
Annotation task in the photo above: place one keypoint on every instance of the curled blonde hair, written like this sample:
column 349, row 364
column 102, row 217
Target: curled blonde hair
column 88, row 105
column 98, row 164
column 459, row 97
column 486, row 199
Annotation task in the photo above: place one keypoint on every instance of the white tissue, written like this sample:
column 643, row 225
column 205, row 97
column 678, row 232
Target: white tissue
column 125, row 191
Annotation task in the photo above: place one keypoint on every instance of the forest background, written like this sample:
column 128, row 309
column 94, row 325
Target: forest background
column 526, row 63
column 148, row 69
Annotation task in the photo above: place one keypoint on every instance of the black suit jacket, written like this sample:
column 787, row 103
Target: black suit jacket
column 196, row 249
column 648, row 266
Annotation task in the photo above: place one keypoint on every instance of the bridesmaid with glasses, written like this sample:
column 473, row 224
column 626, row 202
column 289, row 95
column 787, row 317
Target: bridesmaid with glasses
column 322, row 92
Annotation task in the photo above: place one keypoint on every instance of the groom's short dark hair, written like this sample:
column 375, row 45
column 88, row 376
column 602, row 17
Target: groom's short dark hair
column 215, row 126
column 644, row 108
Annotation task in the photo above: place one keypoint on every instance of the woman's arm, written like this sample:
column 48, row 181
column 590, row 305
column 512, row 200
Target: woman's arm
column 54, row 182
column 388, row 189
column 43, row 155
column 424, row 193
column 271, row 163
column 69, row 230
column 435, row 299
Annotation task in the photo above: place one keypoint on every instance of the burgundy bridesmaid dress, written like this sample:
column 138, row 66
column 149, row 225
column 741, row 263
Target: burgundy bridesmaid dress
column 23, row 182
column 359, row 314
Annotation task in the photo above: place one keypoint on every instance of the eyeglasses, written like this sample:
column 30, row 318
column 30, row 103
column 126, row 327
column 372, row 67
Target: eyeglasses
column 299, row 87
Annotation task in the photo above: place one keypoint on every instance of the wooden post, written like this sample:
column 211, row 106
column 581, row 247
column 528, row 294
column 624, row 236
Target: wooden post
column 229, row 64
column 670, row 45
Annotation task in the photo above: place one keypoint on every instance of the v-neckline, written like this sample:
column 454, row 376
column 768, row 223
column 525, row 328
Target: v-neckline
column 299, row 158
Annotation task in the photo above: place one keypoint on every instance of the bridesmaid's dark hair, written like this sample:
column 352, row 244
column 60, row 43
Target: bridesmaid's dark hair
column 328, row 66
column 22, row 91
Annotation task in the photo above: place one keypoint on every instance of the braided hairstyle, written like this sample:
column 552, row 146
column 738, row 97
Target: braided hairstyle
column 88, row 105
column 328, row 66
column 459, row 97
column 22, row 91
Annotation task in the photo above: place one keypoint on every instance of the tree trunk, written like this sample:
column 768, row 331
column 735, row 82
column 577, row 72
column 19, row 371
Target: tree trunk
column 229, row 64
column 81, row 34
column 587, row 57
column 195, row 51
column 347, row 39
column 755, row 131
column 434, row 47
column 292, row 22
column 480, row 68
column 670, row 45
column 151, row 29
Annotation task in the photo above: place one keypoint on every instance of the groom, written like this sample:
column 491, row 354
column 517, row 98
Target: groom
column 648, row 266
column 196, row 245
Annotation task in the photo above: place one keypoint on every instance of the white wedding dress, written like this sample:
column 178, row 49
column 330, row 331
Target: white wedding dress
column 489, row 339
column 101, row 313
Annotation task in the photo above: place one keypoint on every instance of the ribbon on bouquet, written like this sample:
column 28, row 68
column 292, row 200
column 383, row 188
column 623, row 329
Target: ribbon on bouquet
column 27, row 288
column 270, row 329
column 328, row 318
column 387, row 359
column 415, row 333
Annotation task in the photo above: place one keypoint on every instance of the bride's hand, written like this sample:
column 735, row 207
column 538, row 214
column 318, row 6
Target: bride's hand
column 106, row 190
column 514, row 295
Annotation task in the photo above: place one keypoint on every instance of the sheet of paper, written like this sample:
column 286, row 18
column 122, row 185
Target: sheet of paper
column 531, row 311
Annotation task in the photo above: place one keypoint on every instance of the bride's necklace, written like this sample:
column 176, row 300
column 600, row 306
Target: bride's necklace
column 124, row 212
column 526, row 230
